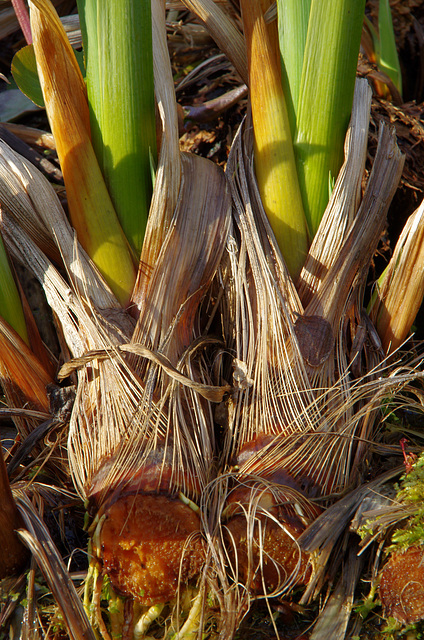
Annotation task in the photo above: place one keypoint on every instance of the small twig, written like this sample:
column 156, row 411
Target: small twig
column 29, row 614
column 213, row 108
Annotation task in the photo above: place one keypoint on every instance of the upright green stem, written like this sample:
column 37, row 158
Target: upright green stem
column 275, row 165
column 326, row 95
column 117, row 36
column 91, row 210
column 293, row 18
column 389, row 60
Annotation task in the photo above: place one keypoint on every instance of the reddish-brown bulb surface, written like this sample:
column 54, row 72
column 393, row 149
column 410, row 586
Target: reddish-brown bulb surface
column 263, row 544
column 402, row 586
column 272, row 560
column 149, row 546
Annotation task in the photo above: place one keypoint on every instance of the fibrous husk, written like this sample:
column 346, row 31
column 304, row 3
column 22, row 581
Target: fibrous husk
column 302, row 412
column 133, row 412
column 138, row 405
column 296, row 361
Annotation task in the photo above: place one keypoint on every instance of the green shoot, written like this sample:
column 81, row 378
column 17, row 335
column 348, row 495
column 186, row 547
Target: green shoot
column 388, row 59
column 275, row 165
column 325, row 101
column 293, row 19
column 117, row 38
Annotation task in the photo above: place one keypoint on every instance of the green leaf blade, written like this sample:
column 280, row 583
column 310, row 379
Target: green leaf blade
column 24, row 72
column 326, row 96
column 117, row 40
column 388, row 57
column 293, row 18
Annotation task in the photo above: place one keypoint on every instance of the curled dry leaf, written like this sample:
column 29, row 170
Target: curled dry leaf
column 31, row 200
column 400, row 290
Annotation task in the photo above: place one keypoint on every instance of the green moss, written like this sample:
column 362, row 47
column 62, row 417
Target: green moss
column 412, row 483
column 411, row 536
column 411, row 492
